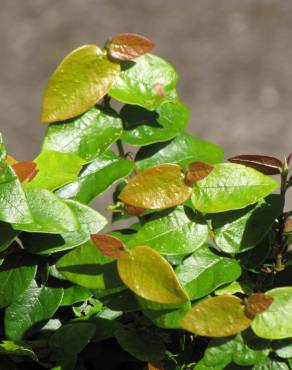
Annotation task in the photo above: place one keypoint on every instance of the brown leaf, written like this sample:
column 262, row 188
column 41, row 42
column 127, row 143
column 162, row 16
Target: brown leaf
column 128, row 46
column 263, row 163
column 257, row 303
column 158, row 187
column 134, row 211
column 25, row 170
column 198, row 171
column 109, row 245
column 155, row 366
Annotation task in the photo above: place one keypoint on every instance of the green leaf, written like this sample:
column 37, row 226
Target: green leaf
column 231, row 186
column 147, row 82
column 140, row 343
column 97, row 177
column 70, row 339
column 144, row 127
column 219, row 316
column 142, row 268
column 87, row 136
column 161, row 186
column 240, row 230
column 3, row 152
column 177, row 231
column 14, row 207
column 33, row 307
column 56, row 169
column 88, row 267
column 16, row 274
column 182, row 150
column 7, row 235
column 50, row 213
column 125, row 301
column 283, row 348
column 235, row 287
column 75, row 294
column 90, row 221
column 276, row 321
column 7, row 347
column 269, row 364
column 83, row 77
column 205, row 270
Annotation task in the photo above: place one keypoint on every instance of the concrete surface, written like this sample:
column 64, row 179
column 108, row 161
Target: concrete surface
column 234, row 58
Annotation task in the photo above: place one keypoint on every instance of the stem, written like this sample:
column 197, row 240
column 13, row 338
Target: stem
column 106, row 102
column 121, row 148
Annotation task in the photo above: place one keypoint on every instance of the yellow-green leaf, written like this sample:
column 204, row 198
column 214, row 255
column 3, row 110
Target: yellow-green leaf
column 219, row 316
column 150, row 276
column 161, row 186
column 83, row 77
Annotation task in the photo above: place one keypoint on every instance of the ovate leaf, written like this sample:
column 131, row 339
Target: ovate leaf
column 34, row 306
column 83, row 77
column 161, row 186
column 198, row 171
column 87, row 136
column 219, row 316
column 231, row 186
column 128, row 46
column 276, row 321
column 205, row 270
column 109, row 245
column 144, row 127
column 148, row 81
column 25, row 170
column 177, row 231
column 141, row 270
column 182, row 150
column 263, row 163
column 257, row 303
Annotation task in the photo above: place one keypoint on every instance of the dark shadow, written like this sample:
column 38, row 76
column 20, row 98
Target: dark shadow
column 134, row 116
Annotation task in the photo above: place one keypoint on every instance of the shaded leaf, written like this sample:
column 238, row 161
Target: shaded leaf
column 83, row 77
column 97, row 177
column 204, row 271
column 138, row 81
column 7, row 235
column 128, row 46
column 198, row 171
column 219, row 316
column 87, row 136
column 144, row 127
column 276, row 321
column 7, row 347
column 182, row 150
column 263, row 163
column 25, row 170
column 161, row 186
column 34, row 306
column 109, row 245
column 177, row 231
column 140, row 271
column 231, row 186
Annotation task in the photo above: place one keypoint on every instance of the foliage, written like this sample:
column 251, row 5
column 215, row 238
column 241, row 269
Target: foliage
column 201, row 276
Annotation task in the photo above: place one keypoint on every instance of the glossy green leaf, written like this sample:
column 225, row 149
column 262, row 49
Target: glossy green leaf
column 205, row 270
column 75, row 294
column 148, row 81
column 33, row 307
column 276, row 321
column 231, row 186
column 240, row 230
column 16, row 274
column 56, row 169
column 7, row 235
column 182, row 150
column 97, row 177
column 235, row 287
column 125, row 301
column 50, row 213
column 14, row 207
column 269, row 364
column 219, row 316
column 83, row 77
column 88, row 267
column 87, row 136
column 9, row 348
column 283, row 348
column 142, row 268
column 90, row 221
column 161, row 186
column 140, row 343
column 177, row 231
column 144, row 127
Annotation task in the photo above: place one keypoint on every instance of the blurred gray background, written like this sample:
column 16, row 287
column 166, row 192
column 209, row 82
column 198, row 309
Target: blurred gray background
column 234, row 58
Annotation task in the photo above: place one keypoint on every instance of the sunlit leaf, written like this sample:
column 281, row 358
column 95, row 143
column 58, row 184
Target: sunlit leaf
column 219, row 316
column 150, row 276
column 198, row 171
column 25, row 170
column 263, row 163
column 231, row 186
column 83, row 77
column 109, row 245
column 257, row 303
column 158, row 187
column 128, row 46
